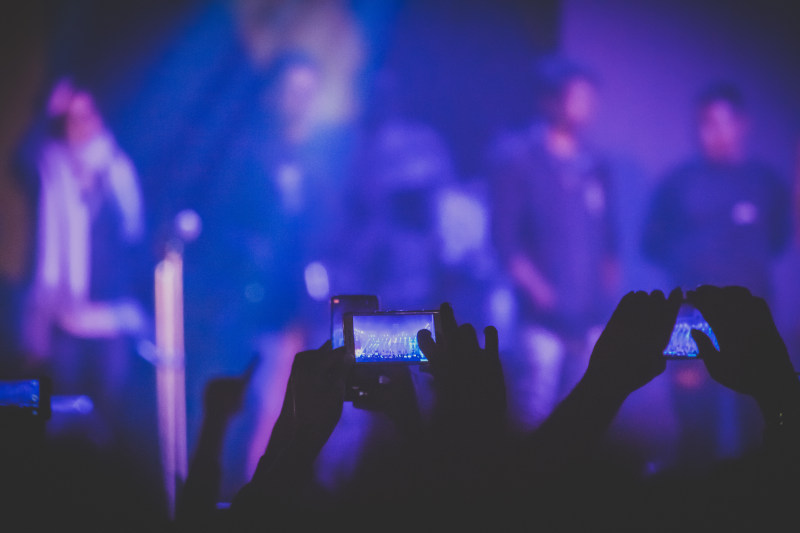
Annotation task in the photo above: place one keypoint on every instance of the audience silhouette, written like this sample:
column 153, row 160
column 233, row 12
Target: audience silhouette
column 464, row 466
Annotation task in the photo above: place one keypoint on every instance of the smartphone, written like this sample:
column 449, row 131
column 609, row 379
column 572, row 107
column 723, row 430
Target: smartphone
column 348, row 303
column 681, row 345
column 388, row 336
column 25, row 398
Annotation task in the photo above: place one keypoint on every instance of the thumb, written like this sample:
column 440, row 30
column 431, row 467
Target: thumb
column 707, row 352
column 427, row 344
column 490, row 335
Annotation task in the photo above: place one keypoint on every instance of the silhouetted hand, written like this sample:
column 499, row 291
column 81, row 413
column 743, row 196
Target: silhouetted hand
column 312, row 405
column 752, row 358
column 466, row 451
column 468, row 379
column 311, row 409
column 393, row 394
column 629, row 352
column 628, row 355
column 224, row 397
column 315, row 393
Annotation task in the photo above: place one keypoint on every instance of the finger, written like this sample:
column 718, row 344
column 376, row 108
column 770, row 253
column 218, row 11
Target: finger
column 621, row 309
column 467, row 340
column 670, row 314
column 676, row 294
column 703, row 293
column 761, row 310
column 340, row 362
column 634, row 308
column 737, row 291
column 303, row 359
column 657, row 295
column 705, row 290
column 326, row 347
column 449, row 324
column 323, row 359
column 491, row 341
column 707, row 300
column 632, row 300
column 428, row 345
column 707, row 352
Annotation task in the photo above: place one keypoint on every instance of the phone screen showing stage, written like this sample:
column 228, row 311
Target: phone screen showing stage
column 348, row 303
column 391, row 338
column 681, row 344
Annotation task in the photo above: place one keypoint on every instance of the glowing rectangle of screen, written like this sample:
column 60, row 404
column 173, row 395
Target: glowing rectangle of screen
column 390, row 338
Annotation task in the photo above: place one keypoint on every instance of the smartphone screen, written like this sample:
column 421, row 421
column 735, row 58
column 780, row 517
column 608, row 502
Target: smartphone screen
column 25, row 396
column 22, row 394
column 348, row 303
column 681, row 344
column 388, row 337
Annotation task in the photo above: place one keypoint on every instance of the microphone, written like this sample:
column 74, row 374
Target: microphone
column 188, row 225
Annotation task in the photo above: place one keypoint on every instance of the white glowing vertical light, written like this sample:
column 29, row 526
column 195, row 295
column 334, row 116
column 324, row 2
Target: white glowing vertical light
column 170, row 377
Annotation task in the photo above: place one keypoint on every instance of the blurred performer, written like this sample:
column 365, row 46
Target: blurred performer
column 89, row 221
column 418, row 225
column 415, row 236
column 273, row 241
column 720, row 218
column 553, row 231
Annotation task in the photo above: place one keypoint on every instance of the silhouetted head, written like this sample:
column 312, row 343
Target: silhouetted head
column 721, row 123
column 74, row 113
column 83, row 120
column 567, row 93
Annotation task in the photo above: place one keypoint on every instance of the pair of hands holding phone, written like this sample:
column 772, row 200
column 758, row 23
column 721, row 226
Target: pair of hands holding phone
column 752, row 358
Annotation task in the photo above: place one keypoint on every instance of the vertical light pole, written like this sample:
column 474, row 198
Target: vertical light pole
column 170, row 360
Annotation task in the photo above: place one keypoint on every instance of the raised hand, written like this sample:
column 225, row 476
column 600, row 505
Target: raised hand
column 466, row 453
column 752, row 358
column 629, row 352
column 392, row 392
column 315, row 393
column 311, row 409
column 628, row 355
column 468, row 379
column 224, row 396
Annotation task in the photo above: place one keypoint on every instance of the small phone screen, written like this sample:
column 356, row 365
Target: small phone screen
column 681, row 344
column 391, row 337
column 348, row 303
column 20, row 394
